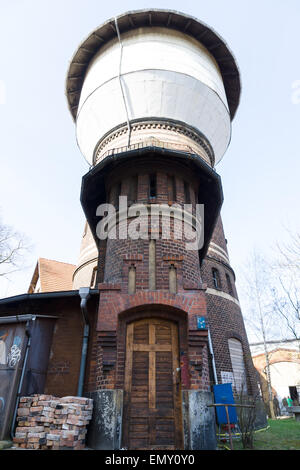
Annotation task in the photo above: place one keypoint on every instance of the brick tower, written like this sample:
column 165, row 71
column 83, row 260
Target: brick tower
column 153, row 94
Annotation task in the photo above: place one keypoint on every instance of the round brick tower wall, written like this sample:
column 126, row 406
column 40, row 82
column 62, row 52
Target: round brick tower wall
column 171, row 279
column 174, row 184
column 223, row 309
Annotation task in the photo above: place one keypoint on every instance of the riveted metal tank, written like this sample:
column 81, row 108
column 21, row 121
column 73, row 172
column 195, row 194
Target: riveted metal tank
column 148, row 68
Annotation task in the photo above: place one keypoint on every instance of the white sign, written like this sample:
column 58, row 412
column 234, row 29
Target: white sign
column 227, row 377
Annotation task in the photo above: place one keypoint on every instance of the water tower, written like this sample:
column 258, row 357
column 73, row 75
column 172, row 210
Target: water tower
column 153, row 94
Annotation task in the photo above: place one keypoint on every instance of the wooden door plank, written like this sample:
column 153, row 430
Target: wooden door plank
column 152, row 380
column 127, row 382
column 128, row 364
column 151, row 333
column 152, row 347
column 177, row 389
column 152, row 431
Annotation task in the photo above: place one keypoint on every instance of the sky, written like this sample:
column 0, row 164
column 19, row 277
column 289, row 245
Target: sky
column 41, row 166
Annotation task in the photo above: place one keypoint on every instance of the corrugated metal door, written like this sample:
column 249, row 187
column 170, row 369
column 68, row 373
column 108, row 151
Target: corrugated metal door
column 238, row 365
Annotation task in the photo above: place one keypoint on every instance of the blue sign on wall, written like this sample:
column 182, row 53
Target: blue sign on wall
column 201, row 323
column 223, row 394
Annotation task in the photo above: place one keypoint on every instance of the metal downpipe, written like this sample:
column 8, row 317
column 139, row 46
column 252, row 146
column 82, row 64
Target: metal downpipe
column 84, row 293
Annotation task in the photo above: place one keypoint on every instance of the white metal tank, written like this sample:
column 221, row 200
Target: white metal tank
column 153, row 76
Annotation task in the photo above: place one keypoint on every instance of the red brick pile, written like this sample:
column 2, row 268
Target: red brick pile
column 50, row 423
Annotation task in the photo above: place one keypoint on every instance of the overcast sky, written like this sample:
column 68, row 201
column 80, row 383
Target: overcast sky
column 41, row 165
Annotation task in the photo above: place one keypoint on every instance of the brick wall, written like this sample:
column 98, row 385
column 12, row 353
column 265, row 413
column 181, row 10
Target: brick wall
column 65, row 355
column 174, row 183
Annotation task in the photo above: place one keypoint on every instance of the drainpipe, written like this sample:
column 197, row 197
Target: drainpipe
column 84, row 293
column 212, row 357
column 28, row 334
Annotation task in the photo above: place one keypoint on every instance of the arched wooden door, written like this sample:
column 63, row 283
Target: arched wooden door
column 152, row 400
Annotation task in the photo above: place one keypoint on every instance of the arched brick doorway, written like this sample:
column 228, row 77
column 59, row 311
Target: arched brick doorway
column 155, row 345
column 152, row 393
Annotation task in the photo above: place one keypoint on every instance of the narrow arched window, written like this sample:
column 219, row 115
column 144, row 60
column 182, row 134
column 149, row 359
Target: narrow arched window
column 132, row 197
column 152, row 265
column 131, row 279
column 229, row 285
column 172, row 279
column 117, row 195
column 187, row 195
column 216, row 278
column 171, row 189
column 152, row 186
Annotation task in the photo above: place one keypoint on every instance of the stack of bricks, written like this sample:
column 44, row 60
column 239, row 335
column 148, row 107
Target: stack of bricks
column 46, row 422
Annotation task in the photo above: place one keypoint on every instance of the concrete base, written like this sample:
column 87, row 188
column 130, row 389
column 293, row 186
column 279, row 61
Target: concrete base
column 105, row 428
column 5, row 445
column 261, row 420
column 198, row 420
column 296, row 411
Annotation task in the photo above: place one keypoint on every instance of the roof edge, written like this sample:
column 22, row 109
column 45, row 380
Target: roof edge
column 172, row 19
column 44, row 296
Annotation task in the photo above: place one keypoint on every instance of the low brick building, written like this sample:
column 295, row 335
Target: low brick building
column 284, row 361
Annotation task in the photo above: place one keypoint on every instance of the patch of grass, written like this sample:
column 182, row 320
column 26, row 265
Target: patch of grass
column 283, row 434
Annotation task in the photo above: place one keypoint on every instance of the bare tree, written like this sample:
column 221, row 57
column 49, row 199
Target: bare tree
column 258, row 314
column 286, row 286
column 247, row 411
column 13, row 248
column 272, row 289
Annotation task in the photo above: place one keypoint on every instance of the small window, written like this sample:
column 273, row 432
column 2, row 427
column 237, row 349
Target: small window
column 132, row 279
column 187, row 195
column 216, row 278
column 152, row 264
column 229, row 285
column 171, row 188
column 152, row 186
column 172, row 279
column 133, row 189
column 118, row 194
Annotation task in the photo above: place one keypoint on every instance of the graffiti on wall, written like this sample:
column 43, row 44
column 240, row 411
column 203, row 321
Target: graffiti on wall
column 3, row 337
column 11, row 358
column 15, row 352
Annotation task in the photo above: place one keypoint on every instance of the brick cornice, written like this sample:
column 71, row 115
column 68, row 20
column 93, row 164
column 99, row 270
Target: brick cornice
column 113, row 303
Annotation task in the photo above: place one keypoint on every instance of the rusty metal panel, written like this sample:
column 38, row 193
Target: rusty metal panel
column 37, row 364
column 13, row 342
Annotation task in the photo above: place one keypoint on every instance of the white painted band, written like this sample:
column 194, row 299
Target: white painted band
column 222, row 294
